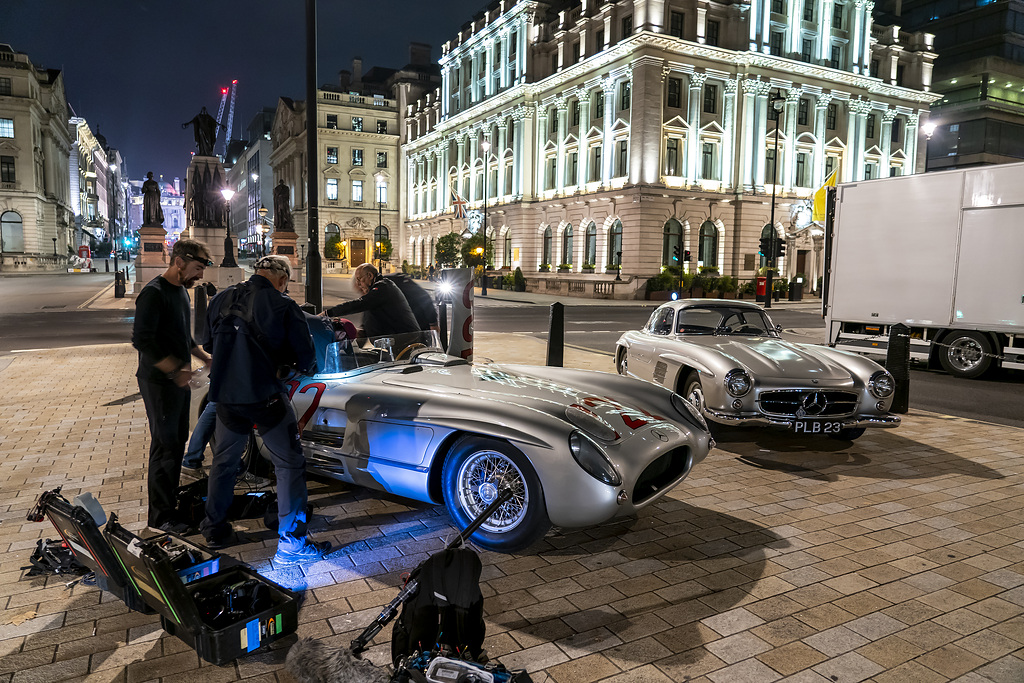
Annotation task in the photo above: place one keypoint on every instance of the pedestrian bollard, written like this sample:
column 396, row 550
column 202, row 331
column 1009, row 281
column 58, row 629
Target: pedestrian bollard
column 556, row 335
column 897, row 362
column 106, row 265
column 119, row 286
column 442, row 319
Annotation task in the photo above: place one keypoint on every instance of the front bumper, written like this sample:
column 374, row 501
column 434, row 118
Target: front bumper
column 852, row 421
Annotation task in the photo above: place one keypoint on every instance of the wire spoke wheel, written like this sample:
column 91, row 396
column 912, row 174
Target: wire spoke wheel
column 479, row 480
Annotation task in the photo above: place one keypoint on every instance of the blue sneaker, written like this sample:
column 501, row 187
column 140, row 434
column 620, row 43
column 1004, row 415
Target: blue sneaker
column 310, row 552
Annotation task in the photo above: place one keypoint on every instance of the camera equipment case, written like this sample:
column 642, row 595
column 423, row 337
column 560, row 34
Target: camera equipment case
column 78, row 529
column 185, row 606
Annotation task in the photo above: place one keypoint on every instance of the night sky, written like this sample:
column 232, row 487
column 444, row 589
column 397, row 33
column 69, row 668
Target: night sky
column 137, row 70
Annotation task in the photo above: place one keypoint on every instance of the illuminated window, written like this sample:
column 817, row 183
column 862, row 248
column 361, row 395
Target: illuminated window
column 615, row 243
column 357, row 190
column 707, row 252
column 6, row 128
column 382, row 127
column 672, row 157
column 332, row 188
column 590, row 244
column 382, row 159
column 332, row 155
column 357, row 157
column 12, row 232
column 546, row 248
column 357, row 123
column 567, row 245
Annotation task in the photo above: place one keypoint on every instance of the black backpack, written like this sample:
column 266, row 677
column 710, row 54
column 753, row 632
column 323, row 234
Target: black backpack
column 447, row 611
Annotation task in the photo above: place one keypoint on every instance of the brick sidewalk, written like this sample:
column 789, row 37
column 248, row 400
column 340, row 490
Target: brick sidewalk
column 897, row 558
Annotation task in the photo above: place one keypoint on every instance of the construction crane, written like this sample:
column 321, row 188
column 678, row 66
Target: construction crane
column 231, row 115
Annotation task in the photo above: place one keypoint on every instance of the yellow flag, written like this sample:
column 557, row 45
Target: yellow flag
column 818, row 212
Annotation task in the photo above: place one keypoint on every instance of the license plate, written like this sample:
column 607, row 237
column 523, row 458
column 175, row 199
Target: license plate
column 816, row 427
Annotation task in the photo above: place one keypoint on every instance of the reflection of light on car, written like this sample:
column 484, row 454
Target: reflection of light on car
column 521, row 381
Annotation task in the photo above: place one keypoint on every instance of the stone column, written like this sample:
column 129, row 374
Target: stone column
column 792, row 103
column 910, row 142
column 584, row 157
column 824, row 30
column 608, row 145
column 748, row 152
column 474, row 154
column 760, row 129
column 693, row 105
column 562, row 112
column 502, row 190
column 489, row 68
column 518, row 161
column 886, row 140
column 729, row 138
column 856, row 35
column 820, row 109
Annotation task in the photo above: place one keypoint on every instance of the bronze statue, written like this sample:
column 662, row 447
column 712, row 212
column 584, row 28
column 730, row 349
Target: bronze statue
column 282, row 211
column 152, row 213
column 204, row 127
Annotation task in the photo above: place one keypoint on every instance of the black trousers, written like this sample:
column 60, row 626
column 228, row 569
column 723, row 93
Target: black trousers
column 167, row 409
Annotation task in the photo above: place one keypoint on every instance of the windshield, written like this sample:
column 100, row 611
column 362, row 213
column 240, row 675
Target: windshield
column 724, row 320
column 352, row 354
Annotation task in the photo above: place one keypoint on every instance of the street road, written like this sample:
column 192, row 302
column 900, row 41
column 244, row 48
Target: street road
column 42, row 311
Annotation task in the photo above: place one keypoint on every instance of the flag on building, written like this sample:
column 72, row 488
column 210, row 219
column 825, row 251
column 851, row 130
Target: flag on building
column 459, row 204
column 818, row 211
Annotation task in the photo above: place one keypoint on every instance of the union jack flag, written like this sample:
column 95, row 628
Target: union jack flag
column 459, row 204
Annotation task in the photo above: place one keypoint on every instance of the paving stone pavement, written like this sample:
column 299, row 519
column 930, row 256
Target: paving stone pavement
column 899, row 557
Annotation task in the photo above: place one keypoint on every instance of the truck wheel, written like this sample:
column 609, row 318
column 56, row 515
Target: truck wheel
column 966, row 354
column 474, row 471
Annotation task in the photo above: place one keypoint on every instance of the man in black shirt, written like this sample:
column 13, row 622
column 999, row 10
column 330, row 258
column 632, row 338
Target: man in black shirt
column 163, row 336
column 384, row 307
column 254, row 329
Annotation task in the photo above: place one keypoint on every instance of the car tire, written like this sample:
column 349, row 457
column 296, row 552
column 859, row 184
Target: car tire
column 694, row 392
column 621, row 366
column 849, row 434
column 966, row 354
column 473, row 471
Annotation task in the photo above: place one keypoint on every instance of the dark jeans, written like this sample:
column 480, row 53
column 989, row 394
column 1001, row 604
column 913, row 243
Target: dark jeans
column 275, row 422
column 167, row 410
column 201, row 435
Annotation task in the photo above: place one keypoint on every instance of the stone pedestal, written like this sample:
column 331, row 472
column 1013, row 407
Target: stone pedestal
column 153, row 256
column 205, row 208
column 224, row 277
column 284, row 244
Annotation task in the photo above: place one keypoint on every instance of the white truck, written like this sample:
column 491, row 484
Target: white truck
column 942, row 253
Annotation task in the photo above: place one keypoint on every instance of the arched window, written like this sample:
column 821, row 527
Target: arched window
column 546, row 246
column 567, row 245
column 615, row 243
column 707, row 253
column 12, row 237
column 590, row 251
column 672, row 238
column 766, row 232
column 332, row 242
column 380, row 233
column 506, row 259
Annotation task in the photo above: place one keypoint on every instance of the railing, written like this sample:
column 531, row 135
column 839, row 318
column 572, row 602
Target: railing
column 577, row 286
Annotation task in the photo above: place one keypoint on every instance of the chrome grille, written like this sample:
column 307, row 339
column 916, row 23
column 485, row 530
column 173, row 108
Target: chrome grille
column 787, row 402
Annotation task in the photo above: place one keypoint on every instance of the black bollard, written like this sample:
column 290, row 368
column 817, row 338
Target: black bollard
column 106, row 265
column 556, row 335
column 442, row 320
column 897, row 362
column 119, row 286
column 199, row 325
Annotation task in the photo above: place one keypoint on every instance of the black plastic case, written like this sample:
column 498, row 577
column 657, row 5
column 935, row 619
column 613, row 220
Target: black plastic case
column 163, row 587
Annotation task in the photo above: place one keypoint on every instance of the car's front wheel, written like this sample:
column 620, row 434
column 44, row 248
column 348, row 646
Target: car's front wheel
column 694, row 392
column 475, row 470
column 623, row 363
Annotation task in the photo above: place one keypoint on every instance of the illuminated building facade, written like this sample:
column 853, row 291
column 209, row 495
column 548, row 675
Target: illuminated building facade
column 35, row 148
column 620, row 129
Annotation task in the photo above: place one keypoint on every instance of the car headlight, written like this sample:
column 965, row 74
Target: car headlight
column 593, row 461
column 688, row 412
column 737, row 383
column 881, row 384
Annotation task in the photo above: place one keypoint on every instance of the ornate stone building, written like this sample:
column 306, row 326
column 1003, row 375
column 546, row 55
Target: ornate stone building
column 616, row 130
column 35, row 146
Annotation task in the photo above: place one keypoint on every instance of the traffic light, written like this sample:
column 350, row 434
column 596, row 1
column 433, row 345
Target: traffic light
column 686, row 254
column 766, row 247
column 675, row 252
column 780, row 250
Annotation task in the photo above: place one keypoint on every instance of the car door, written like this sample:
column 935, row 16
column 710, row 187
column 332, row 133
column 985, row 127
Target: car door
column 652, row 341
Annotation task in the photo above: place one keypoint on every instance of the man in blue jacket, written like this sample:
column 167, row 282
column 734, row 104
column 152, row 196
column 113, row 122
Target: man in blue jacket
column 254, row 329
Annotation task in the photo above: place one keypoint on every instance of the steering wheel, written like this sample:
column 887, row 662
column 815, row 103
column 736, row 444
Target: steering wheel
column 409, row 349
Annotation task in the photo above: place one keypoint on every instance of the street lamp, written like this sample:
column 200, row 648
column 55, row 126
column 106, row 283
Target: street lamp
column 776, row 103
column 229, row 246
column 379, row 178
column 928, row 129
column 55, row 245
column 486, row 146
column 262, row 228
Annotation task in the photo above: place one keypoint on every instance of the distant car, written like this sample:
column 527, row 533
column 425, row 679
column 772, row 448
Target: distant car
column 576, row 447
column 729, row 360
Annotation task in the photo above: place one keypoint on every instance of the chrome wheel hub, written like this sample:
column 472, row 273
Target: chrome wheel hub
column 479, row 480
column 965, row 354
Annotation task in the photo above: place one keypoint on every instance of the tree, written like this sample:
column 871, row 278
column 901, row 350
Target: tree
column 385, row 249
column 472, row 251
column 447, row 252
column 332, row 248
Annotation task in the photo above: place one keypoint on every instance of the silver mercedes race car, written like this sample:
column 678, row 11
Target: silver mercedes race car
column 576, row 447
column 729, row 360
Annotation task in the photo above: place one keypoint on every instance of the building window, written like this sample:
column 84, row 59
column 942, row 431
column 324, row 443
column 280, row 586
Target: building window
column 332, row 188
column 675, row 92
column 801, row 170
column 382, row 159
column 837, row 56
column 871, row 126
column 775, row 43
column 894, row 171
column 357, row 190
column 778, row 6
column 6, row 128
column 332, row 155
column 868, row 171
column 7, row 173
column 546, row 246
column 11, row 231
column 382, row 193
column 599, row 104
column 802, row 110
column 671, row 238
column 900, row 70
column 830, row 165
column 567, row 245
column 615, row 243
column 332, row 120
column 710, row 98
column 707, row 161
column 627, row 26
column 830, row 116
column 599, row 40
column 623, row 156
column 625, row 88
column 897, row 126
column 5, row 85
column 575, row 112
column 769, row 167
column 590, row 245
column 357, row 124
column 506, row 258
column 675, row 24
column 837, row 15
column 595, row 163
column 707, row 251
column 572, row 169
column 807, row 50
column 554, row 63
column 875, row 64
column 575, row 52
column 808, row 10
column 713, row 30
column 672, row 157
column 382, row 127
column 357, row 157
column 552, row 170
column 553, row 118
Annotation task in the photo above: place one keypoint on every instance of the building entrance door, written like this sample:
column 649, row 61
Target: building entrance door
column 801, row 262
column 358, row 253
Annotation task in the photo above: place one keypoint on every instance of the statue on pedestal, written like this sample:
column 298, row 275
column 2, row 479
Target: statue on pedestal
column 152, row 213
column 204, row 127
column 282, row 210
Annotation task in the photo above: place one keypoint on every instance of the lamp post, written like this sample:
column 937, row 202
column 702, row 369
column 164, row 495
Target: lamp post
column 55, row 245
column 229, row 246
column 378, row 177
column 618, row 273
column 262, row 228
column 776, row 103
column 486, row 146
column 928, row 129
